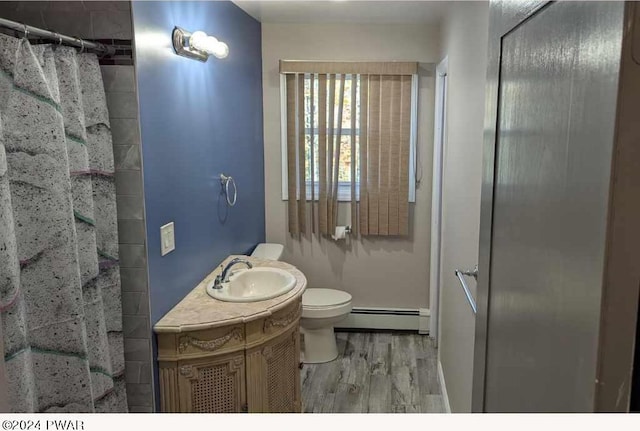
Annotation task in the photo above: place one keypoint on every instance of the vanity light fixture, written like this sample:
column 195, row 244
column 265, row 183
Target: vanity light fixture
column 197, row 45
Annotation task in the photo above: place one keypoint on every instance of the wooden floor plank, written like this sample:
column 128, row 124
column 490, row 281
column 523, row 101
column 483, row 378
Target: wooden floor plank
column 429, row 349
column 428, row 377
column 405, row 409
column 379, row 394
column 356, row 341
column 404, row 372
column 405, row 389
column 328, row 403
column 404, row 348
column 322, row 403
column 353, row 396
column 383, row 337
column 307, row 382
column 380, row 360
column 376, row 373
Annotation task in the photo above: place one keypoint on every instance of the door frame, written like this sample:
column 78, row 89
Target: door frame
column 439, row 140
column 621, row 280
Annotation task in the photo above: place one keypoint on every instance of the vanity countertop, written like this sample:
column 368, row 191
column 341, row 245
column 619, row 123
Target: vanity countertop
column 199, row 311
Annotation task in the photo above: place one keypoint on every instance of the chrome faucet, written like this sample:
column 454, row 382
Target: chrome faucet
column 223, row 277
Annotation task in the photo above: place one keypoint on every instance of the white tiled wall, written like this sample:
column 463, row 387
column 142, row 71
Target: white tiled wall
column 123, row 112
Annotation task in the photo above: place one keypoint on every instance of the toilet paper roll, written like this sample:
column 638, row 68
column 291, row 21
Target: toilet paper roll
column 340, row 233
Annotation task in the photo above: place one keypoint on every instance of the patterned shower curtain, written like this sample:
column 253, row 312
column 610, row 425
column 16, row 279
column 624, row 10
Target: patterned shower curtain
column 59, row 274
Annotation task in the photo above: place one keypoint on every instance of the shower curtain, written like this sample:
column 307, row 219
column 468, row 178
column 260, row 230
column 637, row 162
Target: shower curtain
column 59, row 274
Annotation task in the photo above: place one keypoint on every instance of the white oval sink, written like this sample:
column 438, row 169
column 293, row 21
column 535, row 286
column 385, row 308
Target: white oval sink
column 252, row 285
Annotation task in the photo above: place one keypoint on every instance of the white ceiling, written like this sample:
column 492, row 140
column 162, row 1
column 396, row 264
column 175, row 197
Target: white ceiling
column 354, row 11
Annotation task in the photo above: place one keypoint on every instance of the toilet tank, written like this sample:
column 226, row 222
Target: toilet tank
column 268, row 251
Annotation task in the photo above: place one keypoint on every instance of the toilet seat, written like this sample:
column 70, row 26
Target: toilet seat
column 325, row 303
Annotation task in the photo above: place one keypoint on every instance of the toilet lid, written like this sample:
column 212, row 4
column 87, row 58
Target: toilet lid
column 318, row 298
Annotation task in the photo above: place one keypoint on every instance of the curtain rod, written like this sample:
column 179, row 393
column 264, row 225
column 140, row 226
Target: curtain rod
column 61, row 38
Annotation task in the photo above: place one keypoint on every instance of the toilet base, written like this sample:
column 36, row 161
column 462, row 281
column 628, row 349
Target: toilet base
column 319, row 345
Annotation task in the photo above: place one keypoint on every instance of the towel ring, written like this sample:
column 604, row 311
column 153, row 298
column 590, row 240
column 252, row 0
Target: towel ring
column 224, row 182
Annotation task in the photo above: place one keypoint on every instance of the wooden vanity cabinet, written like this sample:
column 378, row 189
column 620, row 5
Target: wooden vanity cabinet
column 250, row 367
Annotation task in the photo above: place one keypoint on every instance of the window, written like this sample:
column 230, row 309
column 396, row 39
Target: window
column 349, row 134
column 350, row 108
column 346, row 158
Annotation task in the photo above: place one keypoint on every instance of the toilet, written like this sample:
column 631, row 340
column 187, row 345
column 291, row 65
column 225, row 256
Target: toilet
column 268, row 251
column 321, row 310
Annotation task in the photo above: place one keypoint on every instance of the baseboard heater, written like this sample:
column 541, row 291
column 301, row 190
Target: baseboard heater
column 387, row 318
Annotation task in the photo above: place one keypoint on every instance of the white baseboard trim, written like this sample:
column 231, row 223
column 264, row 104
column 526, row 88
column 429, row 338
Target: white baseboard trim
column 443, row 388
column 387, row 318
column 424, row 321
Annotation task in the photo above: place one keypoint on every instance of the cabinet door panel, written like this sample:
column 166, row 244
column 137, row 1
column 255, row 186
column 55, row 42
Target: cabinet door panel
column 215, row 385
column 283, row 374
column 275, row 366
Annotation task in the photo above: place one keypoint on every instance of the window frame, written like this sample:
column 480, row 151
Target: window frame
column 344, row 188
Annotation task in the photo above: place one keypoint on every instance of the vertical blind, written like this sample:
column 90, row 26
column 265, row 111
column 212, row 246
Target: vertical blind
column 379, row 108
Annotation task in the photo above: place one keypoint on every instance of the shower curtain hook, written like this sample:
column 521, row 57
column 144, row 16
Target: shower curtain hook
column 81, row 45
column 25, row 31
column 58, row 36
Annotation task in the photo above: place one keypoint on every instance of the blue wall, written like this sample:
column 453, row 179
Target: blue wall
column 198, row 120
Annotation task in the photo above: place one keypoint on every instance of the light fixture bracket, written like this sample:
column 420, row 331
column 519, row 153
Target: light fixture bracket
column 180, row 38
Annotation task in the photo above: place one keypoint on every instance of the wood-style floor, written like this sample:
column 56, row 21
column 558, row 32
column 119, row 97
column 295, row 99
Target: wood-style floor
column 375, row 373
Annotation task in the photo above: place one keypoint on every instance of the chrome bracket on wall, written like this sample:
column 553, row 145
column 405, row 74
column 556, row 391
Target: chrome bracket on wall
column 460, row 274
column 473, row 273
column 180, row 38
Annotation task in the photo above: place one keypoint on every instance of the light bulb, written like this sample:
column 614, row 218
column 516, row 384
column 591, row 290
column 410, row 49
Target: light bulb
column 210, row 45
column 198, row 40
column 222, row 50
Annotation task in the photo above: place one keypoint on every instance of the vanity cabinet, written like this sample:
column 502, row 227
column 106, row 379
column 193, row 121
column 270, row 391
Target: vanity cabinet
column 246, row 367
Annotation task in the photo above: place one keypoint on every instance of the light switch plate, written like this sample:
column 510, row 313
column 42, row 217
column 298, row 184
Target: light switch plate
column 167, row 239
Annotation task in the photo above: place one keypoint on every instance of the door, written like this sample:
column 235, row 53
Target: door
column 546, row 227
column 273, row 368
column 213, row 385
